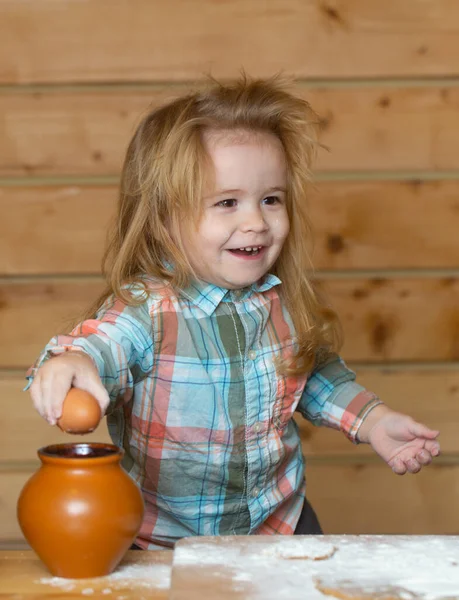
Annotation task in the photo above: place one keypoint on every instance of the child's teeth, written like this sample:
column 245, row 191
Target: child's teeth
column 251, row 249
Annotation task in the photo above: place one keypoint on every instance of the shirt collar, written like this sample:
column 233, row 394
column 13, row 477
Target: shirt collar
column 208, row 296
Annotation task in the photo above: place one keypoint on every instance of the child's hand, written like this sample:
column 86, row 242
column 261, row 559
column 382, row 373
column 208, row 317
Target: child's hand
column 402, row 442
column 57, row 375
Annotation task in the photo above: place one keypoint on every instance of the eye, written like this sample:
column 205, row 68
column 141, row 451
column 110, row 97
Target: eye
column 271, row 200
column 229, row 203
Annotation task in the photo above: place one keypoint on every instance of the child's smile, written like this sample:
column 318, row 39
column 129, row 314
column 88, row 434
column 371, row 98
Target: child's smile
column 245, row 221
column 250, row 253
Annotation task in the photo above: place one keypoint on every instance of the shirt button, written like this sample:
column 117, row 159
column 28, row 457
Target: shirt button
column 255, row 492
column 257, row 427
column 252, row 355
column 237, row 293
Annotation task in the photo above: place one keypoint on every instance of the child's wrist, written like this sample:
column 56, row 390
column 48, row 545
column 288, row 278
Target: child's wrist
column 372, row 419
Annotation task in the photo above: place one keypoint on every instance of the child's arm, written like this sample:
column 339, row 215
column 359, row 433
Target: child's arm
column 332, row 398
column 399, row 440
column 105, row 356
column 57, row 375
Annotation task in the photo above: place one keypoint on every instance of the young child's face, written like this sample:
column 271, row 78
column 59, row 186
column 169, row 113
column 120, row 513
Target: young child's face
column 245, row 209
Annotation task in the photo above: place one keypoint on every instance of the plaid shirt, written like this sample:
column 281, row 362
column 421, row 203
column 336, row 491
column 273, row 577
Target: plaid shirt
column 204, row 419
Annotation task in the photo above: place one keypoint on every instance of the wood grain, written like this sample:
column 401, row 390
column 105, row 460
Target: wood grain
column 412, row 319
column 59, row 132
column 31, row 313
column 70, row 41
column 376, row 127
column 357, row 225
column 386, row 225
column 24, row 577
column 402, row 319
column 54, row 229
column 429, row 395
column 372, row 499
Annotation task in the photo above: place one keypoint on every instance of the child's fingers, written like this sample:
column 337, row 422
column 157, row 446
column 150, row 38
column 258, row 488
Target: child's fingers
column 398, row 466
column 412, row 465
column 35, row 394
column 45, row 400
column 424, row 457
column 43, row 397
column 55, row 378
column 102, row 397
column 433, row 447
column 54, row 390
column 420, row 430
column 403, row 464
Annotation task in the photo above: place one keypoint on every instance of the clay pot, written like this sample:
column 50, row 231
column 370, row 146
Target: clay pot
column 80, row 511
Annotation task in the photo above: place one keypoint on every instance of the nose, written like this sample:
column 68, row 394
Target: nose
column 253, row 220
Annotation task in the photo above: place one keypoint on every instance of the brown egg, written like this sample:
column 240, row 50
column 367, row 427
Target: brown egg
column 80, row 412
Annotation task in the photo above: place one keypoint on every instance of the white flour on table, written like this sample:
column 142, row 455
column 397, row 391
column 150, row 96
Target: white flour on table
column 316, row 549
column 413, row 567
column 144, row 576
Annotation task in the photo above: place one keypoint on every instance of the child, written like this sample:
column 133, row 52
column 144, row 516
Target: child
column 210, row 334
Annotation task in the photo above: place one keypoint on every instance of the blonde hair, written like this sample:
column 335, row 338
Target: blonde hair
column 162, row 182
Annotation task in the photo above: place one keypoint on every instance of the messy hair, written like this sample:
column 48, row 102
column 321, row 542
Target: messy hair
column 162, row 186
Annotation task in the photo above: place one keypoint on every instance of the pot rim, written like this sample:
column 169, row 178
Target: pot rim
column 80, row 452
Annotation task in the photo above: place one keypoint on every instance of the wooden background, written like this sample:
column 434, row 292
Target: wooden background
column 75, row 78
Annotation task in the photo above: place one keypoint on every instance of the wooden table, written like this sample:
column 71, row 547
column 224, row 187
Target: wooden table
column 257, row 568
column 316, row 568
column 140, row 576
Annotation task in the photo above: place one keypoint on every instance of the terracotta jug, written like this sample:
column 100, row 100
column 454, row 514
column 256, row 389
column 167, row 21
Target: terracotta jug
column 80, row 511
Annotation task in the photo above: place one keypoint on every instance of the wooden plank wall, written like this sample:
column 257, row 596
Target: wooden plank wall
column 75, row 78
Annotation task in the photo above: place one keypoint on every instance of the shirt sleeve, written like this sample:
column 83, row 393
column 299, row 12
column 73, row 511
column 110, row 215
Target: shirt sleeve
column 332, row 398
column 118, row 340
